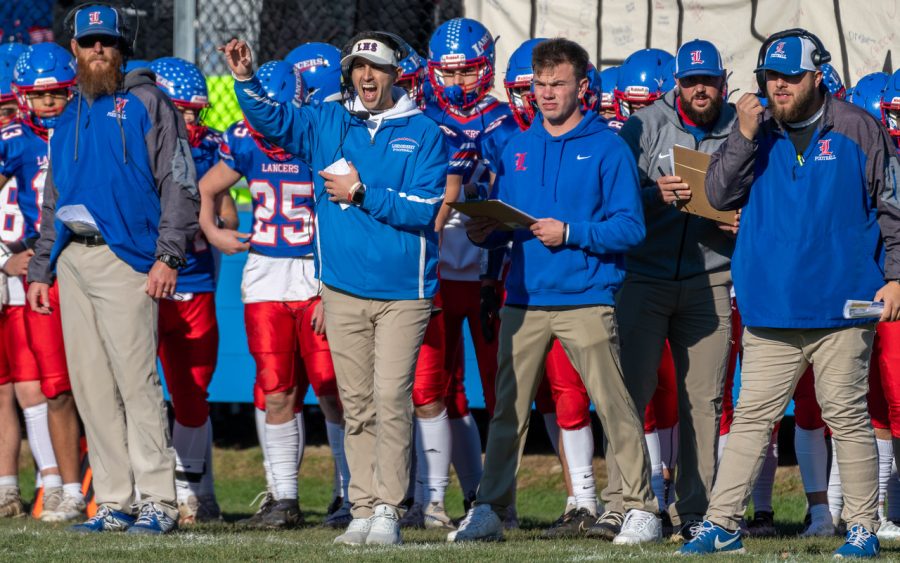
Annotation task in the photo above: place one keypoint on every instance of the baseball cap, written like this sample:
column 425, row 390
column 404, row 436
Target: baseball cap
column 97, row 20
column 698, row 58
column 373, row 50
column 790, row 56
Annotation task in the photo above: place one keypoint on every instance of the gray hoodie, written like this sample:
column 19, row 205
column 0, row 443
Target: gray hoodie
column 678, row 245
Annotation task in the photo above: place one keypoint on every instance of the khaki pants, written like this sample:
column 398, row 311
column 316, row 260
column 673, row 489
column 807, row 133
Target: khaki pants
column 590, row 339
column 695, row 316
column 374, row 346
column 110, row 331
column 774, row 360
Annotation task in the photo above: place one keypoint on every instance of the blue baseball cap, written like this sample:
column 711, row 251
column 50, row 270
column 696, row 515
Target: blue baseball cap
column 698, row 58
column 790, row 56
column 97, row 20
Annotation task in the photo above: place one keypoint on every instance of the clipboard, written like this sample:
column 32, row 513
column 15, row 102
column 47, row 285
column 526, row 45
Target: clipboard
column 691, row 166
column 510, row 217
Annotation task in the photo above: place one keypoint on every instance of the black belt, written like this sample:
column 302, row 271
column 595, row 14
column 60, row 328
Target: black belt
column 88, row 240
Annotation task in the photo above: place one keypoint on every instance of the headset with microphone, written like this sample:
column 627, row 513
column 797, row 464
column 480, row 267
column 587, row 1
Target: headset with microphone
column 400, row 50
column 128, row 41
column 820, row 54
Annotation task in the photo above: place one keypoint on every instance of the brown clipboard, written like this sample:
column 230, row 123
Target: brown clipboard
column 510, row 217
column 691, row 166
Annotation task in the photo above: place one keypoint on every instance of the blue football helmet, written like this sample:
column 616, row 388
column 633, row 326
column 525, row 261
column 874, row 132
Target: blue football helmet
column 608, row 79
column 284, row 85
column 640, row 81
column 465, row 46
column 43, row 67
column 668, row 76
column 182, row 81
column 320, row 66
column 412, row 76
column 518, row 83
column 890, row 105
column 7, row 67
column 591, row 99
column 832, row 81
column 13, row 50
column 132, row 64
column 866, row 93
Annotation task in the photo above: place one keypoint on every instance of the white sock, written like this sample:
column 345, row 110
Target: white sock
column 9, row 481
column 579, row 446
column 39, row 436
column 835, row 492
column 552, row 430
column 301, row 434
column 190, row 445
column 341, row 470
column 812, row 457
column 52, row 481
column 885, row 460
column 762, row 491
column 261, row 436
column 73, row 490
column 466, row 453
column 570, row 503
column 207, row 482
column 433, row 444
column 282, row 443
column 723, row 441
column 656, row 475
column 893, row 496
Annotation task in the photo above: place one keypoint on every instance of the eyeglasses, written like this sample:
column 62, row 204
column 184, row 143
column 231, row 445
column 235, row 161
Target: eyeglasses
column 8, row 113
column 88, row 41
column 59, row 93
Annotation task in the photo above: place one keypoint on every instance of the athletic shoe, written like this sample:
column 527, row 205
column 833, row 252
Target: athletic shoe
column 639, row 526
column 607, row 526
column 762, row 525
column 51, row 500
column 511, row 520
column 414, row 517
column 687, row 532
column 68, row 509
column 105, row 520
column 435, row 517
column 818, row 529
column 888, row 531
column 860, row 543
column 203, row 508
column 356, row 532
column 713, row 539
column 266, row 504
column 340, row 517
column 480, row 524
column 573, row 523
column 385, row 527
column 283, row 515
column 152, row 520
column 11, row 503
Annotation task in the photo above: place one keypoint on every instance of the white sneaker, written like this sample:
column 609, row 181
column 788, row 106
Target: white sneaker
column 639, row 527
column 480, row 524
column 888, row 531
column 68, row 509
column 52, row 498
column 385, row 527
column 821, row 529
column 356, row 532
column 435, row 517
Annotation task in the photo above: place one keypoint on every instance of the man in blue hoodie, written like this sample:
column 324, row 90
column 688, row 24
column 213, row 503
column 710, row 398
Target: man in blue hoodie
column 376, row 253
column 571, row 169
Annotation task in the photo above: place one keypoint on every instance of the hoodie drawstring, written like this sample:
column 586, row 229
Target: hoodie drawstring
column 77, row 126
column 121, row 132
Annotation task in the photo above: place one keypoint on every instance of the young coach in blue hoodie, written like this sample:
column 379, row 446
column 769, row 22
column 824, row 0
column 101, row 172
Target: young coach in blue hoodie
column 563, row 276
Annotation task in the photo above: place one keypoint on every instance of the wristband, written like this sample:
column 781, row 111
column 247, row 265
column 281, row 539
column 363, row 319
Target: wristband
column 566, row 239
column 236, row 79
column 352, row 191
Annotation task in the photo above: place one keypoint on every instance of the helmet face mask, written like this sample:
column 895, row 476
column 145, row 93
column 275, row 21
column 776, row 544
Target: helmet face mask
column 412, row 77
column 890, row 105
column 522, row 102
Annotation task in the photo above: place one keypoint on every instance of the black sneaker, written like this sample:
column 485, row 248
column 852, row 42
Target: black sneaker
column 688, row 531
column 607, row 526
column 762, row 525
column 573, row 524
column 283, row 515
column 268, row 501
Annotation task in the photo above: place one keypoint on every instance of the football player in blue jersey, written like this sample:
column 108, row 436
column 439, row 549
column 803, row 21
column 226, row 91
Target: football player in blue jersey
column 281, row 304
column 412, row 77
column 608, row 78
column 320, row 65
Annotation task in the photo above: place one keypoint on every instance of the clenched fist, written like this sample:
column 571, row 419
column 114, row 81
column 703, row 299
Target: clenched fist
column 749, row 110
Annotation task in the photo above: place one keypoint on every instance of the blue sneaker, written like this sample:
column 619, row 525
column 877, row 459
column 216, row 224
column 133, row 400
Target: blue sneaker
column 105, row 520
column 153, row 520
column 860, row 543
column 712, row 539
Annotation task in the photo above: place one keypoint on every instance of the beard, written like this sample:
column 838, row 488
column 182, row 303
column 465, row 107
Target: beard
column 102, row 81
column 706, row 116
column 796, row 111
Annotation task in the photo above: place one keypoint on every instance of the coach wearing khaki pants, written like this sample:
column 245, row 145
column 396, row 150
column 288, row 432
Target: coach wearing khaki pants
column 817, row 181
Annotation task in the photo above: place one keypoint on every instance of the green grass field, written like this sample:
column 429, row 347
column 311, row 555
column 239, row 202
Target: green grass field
column 239, row 478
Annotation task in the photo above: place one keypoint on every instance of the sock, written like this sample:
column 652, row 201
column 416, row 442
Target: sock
column 39, row 436
column 341, row 470
column 885, row 459
column 190, row 445
column 819, row 513
column 656, row 476
column 668, row 446
column 207, row 487
column 52, row 481
column 282, row 443
column 261, row 436
column 893, row 496
column 762, row 491
column 301, row 433
column 723, row 441
column 73, row 490
column 835, row 493
column 552, row 430
column 579, row 446
column 570, row 504
column 466, row 454
column 812, row 457
column 433, row 444
column 9, row 481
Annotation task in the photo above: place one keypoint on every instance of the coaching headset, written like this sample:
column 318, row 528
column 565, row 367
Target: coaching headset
column 820, row 54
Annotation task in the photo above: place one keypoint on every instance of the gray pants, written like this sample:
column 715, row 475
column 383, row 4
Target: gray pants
column 110, row 331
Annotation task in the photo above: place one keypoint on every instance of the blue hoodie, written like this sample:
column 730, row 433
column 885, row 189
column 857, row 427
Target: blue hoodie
column 588, row 179
column 386, row 248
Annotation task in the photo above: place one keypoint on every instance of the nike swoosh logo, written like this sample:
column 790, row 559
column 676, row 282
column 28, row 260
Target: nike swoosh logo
column 579, row 157
column 720, row 545
column 663, row 155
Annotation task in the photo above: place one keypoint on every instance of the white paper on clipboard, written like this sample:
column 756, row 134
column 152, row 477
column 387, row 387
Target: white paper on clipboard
column 341, row 168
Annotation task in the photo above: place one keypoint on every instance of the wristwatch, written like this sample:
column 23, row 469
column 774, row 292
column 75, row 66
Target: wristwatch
column 359, row 195
column 172, row 261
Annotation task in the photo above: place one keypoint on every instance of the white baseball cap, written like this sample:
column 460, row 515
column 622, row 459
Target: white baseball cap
column 372, row 50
